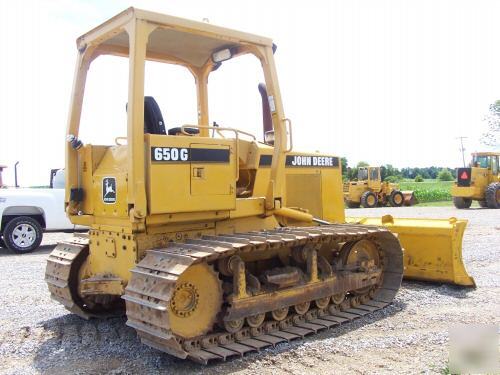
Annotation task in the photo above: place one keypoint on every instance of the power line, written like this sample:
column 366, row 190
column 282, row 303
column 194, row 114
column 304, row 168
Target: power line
column 462, row 149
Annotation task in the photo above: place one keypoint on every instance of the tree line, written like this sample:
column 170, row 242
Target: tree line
column 392, row 174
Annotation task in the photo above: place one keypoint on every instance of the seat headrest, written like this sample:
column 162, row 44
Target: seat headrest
column 153, row 119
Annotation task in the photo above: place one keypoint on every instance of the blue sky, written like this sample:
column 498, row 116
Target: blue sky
column 381, row 81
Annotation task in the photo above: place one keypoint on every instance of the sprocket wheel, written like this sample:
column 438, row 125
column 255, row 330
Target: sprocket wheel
column 195, row 301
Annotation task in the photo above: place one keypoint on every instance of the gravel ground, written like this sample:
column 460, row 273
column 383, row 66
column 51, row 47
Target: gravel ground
column 411, row 336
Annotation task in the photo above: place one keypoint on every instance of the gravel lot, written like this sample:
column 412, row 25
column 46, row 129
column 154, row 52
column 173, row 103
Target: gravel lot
column 38, row 336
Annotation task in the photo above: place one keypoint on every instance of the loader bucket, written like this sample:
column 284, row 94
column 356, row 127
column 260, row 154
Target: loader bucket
column 409, row 197
column 432, row 247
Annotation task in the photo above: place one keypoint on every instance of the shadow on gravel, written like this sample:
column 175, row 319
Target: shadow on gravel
column 77, row 346
column 447, row 290
column 45, row 249
column 73, row 345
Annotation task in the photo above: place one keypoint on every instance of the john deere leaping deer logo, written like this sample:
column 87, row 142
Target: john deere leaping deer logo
column 109, row 190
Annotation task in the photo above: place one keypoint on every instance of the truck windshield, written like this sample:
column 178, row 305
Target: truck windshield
column 481, row 161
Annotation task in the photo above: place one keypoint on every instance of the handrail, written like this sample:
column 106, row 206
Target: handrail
column 216, row 128
column 287, row 120
column 117, row 139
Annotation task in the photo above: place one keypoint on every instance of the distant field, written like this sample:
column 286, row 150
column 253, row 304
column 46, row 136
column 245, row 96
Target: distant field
column 429, row 190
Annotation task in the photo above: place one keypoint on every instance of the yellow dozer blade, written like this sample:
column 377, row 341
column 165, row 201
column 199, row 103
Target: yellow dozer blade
column 432, row 247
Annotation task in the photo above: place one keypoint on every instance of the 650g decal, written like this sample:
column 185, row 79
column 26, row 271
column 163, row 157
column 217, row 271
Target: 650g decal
column 186, row 155
column 169, row 154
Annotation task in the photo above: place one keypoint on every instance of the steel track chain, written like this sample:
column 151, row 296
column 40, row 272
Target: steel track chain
column 154, row 279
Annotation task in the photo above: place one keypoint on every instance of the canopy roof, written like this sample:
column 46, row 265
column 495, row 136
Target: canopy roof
column 185, row 41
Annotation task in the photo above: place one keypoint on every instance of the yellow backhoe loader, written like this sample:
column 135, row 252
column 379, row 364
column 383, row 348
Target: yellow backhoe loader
column 479, row 182
column 214, row 243
column 370, row 191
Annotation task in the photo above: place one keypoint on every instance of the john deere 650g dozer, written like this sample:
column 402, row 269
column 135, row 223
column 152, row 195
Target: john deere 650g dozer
column 218, row 245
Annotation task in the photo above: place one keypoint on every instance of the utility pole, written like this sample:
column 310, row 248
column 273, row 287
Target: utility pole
column 462, row 149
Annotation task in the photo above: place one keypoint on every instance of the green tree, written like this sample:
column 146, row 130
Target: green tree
column 345, row 171
column 419, row 178
column 388, row 170
column 445, row 175
column 433, row 172
column 406, row 172
column 392, row 179
column 492, row 135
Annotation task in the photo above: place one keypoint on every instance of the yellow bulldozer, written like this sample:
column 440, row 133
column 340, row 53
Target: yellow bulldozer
column 479, row 182
column 370, row 191
column 212, row 242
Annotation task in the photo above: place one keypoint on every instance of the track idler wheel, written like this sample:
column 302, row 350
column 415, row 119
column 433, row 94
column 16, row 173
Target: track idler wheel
column 95, row 306
column 302, row 308
column 233, row 326
column 362, row 255
column 338, row 298
column 322, row 303
column 255, row 321
column 280, row 314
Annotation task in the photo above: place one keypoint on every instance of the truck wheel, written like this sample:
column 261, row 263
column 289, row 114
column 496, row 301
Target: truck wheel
column 396, row 199
column 493, row 195
column 460, row 202
column 23, row 234
column 482, row 204
column 369, row 200
column 352, row 204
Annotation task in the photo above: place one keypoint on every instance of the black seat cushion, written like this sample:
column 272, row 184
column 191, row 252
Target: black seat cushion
column 178, row 130
column 153, row 119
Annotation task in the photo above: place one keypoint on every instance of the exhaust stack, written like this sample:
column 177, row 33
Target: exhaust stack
column 15, row 174
column 267, row 121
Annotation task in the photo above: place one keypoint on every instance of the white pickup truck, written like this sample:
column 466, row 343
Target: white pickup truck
column 26, row 213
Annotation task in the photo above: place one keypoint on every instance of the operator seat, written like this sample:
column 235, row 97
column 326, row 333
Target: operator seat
column 153, row 119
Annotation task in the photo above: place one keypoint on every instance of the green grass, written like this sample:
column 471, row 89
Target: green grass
column 429, row 190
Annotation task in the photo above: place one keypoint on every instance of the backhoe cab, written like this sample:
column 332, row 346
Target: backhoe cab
column 480, row 182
